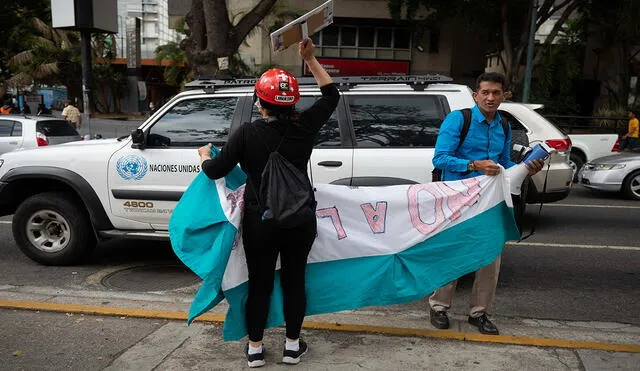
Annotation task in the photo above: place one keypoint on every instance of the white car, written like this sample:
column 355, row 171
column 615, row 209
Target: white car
column 383, row 132
column 554, row 182
column 25, row 132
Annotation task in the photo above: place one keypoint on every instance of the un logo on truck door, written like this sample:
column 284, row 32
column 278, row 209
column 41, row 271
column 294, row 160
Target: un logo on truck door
column 132, row 167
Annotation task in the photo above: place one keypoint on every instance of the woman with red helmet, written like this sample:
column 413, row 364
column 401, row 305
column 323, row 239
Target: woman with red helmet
column 292, row 133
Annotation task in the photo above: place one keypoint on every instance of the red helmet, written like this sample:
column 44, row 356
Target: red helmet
column 279, row 87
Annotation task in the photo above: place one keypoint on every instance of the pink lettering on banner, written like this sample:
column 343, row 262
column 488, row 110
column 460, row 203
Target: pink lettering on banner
column 236, row 241
column 456, row 199
column 414, row 207
column 236, row 198
column 376, row 217
column 332, row 212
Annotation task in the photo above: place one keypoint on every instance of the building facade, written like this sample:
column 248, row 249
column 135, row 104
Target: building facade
column 155, row 29
column 363, row 40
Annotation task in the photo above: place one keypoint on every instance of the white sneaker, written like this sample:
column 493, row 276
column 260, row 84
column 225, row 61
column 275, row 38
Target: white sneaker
column 292, row 357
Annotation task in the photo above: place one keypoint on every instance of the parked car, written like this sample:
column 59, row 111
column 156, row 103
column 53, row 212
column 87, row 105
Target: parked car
column 616, row 173
column 383, row 132
column 25, row 132
column 553, row 182
column 586, row 147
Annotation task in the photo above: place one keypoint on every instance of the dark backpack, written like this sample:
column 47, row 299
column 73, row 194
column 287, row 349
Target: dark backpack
column 436, row 174
column 286, row 196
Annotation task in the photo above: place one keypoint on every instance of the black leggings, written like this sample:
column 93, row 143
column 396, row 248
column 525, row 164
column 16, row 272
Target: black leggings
column 261, row 246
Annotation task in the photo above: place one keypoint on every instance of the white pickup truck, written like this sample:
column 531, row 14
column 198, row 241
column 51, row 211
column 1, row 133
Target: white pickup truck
column 586, row 147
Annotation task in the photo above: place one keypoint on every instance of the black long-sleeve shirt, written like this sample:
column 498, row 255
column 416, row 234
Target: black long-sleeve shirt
column 252, row 143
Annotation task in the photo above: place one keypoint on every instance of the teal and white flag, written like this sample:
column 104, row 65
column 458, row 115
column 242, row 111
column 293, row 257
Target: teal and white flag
column 375, row 245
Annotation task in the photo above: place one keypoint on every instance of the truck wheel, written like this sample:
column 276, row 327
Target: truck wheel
column 631, row 185
column 576, row 162
column 52, row 229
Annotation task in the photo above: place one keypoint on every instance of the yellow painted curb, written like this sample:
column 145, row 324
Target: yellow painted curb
column 383, row 330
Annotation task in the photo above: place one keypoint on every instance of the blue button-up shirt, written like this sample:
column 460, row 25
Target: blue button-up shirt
column 484, row 141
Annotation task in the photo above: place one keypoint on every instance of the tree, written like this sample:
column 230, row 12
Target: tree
column 560, row 69
column 15, row 29
column 212, row 34
column 174, row 74
column 505, row 22
column 615, row 36
column 53, row 58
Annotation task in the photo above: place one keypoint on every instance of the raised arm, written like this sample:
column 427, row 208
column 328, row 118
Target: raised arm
column 306, row 50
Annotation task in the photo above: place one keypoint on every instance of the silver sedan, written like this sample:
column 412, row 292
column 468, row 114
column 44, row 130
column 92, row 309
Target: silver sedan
column 615, row 173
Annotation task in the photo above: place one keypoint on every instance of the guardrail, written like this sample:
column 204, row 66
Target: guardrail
column 590, row 124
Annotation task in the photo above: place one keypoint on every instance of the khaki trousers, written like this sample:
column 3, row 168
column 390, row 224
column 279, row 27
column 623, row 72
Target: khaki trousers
column 482, row 294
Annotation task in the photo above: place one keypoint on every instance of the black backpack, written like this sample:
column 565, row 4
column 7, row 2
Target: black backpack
column 286, row 196
column 436, row 174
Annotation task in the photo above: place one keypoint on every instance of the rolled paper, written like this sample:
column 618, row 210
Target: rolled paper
column 516, row 174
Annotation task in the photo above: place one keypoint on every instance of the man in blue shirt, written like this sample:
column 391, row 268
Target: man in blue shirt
column 484, row 147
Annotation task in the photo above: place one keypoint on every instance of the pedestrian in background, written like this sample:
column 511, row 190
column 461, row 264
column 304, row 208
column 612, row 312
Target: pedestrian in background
column 71, row 114
column 630, row 139
column 43, row 110
column 7, row 108
column 485, row 146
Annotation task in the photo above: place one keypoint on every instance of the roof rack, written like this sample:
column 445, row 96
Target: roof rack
column 417, row 82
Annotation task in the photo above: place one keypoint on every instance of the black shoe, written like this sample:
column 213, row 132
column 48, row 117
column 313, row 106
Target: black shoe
column 439, row 319
column 254, row 360
column 292, row 357
column 484, row 325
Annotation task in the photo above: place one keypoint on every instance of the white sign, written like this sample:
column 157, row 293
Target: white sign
column 303, row 27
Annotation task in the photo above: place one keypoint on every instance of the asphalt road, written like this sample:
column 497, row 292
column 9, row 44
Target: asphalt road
column 583, row 263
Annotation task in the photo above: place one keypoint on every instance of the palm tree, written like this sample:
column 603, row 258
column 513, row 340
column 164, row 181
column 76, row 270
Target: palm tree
column 54, row 58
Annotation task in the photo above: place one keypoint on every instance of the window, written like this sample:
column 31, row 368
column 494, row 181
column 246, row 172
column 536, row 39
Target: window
column 330, row 36
column 5, row 128
column 194, row 123
column 513, row 122
column 10, row 128
column 364, row 42
column 329, row 134
column 384, row 38
column 56, row 128
column 365, row 37
column 348, row 35
column 17, row 129
column 396, row 121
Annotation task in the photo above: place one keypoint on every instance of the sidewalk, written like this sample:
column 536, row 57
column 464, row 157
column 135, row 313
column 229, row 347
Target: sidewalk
column 148, row 332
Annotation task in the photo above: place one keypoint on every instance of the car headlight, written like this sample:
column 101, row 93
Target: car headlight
column 596, row 167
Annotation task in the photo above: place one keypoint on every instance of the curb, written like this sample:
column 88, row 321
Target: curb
column 380, row 330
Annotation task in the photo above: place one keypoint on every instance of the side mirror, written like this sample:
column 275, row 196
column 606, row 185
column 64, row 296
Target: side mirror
column 138, row 139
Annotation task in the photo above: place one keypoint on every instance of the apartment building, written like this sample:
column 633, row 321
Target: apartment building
column 154, row 30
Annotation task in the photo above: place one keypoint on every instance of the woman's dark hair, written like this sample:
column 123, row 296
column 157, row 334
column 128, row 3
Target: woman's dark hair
column 282, row 113
column 491, row 77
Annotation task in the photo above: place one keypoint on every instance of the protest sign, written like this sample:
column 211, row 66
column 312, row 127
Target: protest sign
column 302, row 27
column 374, row 246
